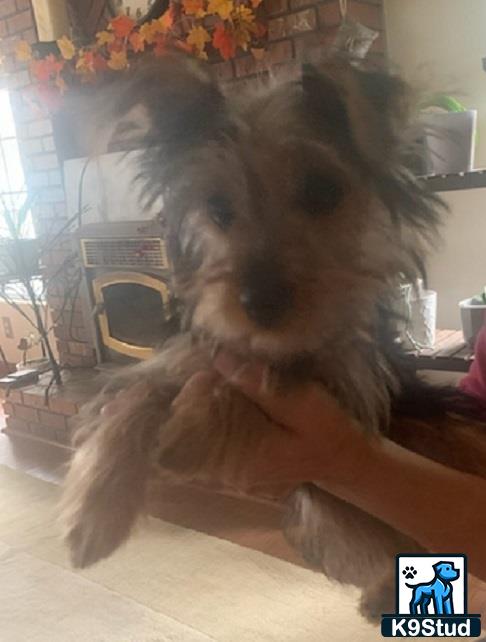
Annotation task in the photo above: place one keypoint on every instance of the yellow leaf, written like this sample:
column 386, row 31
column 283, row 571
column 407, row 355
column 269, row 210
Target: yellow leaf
column 136, row 42
column 66, row 48
column 193, row 8
column 104, row 38
column 149, row 31
column 243, row 14
column 198, row 37
column 118, row 60
column 84, row 64
column 222, row 7
column 23, row 51
column 61, row 84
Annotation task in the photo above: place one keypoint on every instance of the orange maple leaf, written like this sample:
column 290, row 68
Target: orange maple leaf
column 136, row 41
column 122, row 26
column 224, row 42
column 44, row 69
column 166, row 20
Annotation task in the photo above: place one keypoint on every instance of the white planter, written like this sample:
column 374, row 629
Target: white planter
column 473, row 317
column 449, row 141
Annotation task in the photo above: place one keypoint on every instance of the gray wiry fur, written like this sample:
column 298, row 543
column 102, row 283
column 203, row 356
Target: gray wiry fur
column 299, row 195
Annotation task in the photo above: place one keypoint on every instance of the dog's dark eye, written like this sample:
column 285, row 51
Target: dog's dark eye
column 319, row 194
column 220, row 211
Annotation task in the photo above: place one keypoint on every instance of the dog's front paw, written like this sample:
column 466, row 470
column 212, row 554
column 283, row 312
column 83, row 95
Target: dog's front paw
column 104, row 493
column 95, row 523
column 95, row 530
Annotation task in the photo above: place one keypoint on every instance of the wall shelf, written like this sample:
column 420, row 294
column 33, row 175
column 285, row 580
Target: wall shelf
column 455, row 182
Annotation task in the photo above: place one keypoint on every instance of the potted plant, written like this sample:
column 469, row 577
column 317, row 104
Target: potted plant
column 449, row 132
column 473, row 316
column 19, row 255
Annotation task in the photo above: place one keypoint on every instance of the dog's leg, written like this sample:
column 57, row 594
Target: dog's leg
column 346, row 543
column 105, row 486
column 378, row 597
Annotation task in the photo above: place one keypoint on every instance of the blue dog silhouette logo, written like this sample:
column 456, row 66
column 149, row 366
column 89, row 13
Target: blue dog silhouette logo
column 438, row 590
column 431, row 598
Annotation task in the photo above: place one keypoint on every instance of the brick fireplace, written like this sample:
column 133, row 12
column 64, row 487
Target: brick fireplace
column 294, row 28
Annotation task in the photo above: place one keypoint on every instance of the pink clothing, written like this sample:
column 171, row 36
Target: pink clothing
column 474, row 383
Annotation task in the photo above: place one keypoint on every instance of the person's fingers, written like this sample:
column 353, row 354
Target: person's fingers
column 199, row 384
column 300, row 408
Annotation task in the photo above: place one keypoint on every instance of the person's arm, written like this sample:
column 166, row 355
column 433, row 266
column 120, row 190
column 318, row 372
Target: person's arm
column 442, row 509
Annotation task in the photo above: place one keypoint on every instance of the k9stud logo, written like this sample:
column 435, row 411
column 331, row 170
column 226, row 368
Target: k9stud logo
column 431, row 598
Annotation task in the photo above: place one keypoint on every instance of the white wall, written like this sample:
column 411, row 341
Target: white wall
column 439, row 44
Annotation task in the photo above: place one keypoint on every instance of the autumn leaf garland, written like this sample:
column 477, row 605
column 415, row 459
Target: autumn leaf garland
column 197, row 26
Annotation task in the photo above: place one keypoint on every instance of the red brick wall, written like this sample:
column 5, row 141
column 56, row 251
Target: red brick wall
column 44, row 175
column 297, row 27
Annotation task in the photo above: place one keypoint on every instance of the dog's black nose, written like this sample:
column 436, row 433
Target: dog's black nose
column 265, row 294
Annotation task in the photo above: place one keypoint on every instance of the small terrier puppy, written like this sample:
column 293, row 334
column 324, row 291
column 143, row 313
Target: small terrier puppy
column 291, row 215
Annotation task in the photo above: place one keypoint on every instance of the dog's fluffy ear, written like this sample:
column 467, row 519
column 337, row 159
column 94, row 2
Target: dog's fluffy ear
column 171, row 102
column 364, row 112
column 367, row 116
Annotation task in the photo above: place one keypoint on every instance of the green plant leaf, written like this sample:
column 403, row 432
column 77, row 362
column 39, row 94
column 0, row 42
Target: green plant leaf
column 442, row 101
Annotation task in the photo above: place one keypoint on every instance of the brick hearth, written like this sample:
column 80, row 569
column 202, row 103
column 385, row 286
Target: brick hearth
column 29, row 412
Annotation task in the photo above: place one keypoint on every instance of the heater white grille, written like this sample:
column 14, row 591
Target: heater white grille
column 124, row 252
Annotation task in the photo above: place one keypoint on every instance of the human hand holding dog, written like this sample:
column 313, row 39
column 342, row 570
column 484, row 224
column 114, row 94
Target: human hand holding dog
column 320, row 442
column 312, row 439
column 308, row 435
